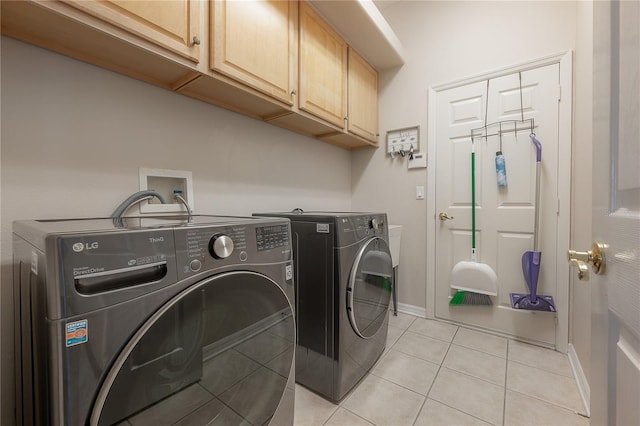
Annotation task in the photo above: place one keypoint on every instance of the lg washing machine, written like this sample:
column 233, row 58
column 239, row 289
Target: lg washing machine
column 153, row 321
column 343, row 290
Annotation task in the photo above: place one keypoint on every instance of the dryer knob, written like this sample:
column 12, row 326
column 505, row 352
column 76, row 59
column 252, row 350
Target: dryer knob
column 220, row 246
column 375, row 224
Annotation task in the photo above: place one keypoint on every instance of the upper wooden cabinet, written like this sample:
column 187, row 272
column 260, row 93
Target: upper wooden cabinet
column 109, row 36
column 172, row 24
column 363, row 98
column 323, row 69
column 256, row 42
column 274, row 60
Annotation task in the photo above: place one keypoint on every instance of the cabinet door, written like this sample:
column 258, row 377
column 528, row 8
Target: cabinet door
column 363, row 98
column 256, row 43
column 172, row 24
column 323, row 69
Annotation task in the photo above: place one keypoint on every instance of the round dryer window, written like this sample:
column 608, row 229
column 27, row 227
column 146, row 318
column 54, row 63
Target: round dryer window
column 219, row 352
column 370, row 286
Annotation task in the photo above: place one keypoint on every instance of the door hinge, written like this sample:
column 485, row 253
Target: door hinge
column 558, row 209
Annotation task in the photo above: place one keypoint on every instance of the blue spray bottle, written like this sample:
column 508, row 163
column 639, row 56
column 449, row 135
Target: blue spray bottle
column 501, row 171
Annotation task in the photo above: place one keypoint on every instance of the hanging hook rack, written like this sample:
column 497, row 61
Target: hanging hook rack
column 515, row 126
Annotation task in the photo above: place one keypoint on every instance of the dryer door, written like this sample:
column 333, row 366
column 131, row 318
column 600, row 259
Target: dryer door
column 370, row 286
column 219, row 352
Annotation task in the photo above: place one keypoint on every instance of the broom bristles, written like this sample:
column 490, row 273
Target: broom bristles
column 470, row 298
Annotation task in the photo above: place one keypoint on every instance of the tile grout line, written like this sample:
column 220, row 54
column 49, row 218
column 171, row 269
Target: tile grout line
column 350, row 412
column 506, row 375
column 555, row 373
column 526, row 395
column 548, row 403
column 435, row 377
column 370, row 372
column 390, row 349
column 440, row 369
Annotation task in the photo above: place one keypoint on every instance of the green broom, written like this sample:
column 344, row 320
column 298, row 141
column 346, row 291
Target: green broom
column 470, row 298
column 474, row 281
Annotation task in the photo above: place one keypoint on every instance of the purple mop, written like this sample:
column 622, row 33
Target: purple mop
column 531, row 259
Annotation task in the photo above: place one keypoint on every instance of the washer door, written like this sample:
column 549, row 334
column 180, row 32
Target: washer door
column 369, row 288
column 219, row 352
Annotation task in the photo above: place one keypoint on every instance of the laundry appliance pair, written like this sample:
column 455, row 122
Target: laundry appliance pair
column 343, row 278
column 148, row 321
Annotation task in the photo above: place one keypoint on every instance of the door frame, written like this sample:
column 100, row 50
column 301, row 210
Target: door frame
column 565, row 124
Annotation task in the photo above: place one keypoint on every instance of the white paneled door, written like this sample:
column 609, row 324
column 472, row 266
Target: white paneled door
column 504, row 214
column 615, row 295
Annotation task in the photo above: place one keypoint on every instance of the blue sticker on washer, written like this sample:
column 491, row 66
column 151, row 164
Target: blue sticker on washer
column 77, row 332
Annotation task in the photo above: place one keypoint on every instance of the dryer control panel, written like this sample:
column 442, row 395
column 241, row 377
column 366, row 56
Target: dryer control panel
column 354, row 228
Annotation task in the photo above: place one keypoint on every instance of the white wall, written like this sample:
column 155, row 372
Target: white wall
column 74, row 135
column 446, row 41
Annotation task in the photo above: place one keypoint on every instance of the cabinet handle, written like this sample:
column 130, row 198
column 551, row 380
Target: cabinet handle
column 293, row 93
column 196, row 41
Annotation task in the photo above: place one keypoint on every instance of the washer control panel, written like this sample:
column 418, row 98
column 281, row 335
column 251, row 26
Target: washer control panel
column 272, row 236
column 221, row 246
column 208, row 247
column 218, row 243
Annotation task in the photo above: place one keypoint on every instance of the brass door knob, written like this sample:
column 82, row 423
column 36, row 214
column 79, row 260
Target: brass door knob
column 443, row 216
column 594, row 257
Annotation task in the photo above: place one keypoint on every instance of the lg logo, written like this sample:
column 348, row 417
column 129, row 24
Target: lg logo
column 79, row 247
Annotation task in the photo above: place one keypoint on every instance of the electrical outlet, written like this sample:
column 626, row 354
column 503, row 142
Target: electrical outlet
column 166, row 183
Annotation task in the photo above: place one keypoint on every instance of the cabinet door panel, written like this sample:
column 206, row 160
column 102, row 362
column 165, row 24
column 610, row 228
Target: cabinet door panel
column 171, row 24
column 363, row 98
column 255, row 42
column 323, row 68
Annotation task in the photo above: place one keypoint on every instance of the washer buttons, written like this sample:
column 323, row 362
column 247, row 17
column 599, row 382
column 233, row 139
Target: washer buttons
column 195, row 265
column 243, row 256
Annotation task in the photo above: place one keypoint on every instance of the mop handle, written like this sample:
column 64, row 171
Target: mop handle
column 536, row 224
column 473, row 200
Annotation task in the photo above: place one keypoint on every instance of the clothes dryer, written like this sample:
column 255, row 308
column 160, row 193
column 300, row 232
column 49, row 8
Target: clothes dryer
column 154, row 321
column 343, row 288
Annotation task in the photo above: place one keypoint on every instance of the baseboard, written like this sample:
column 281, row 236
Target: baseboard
column 412, row 310
column 581, row 379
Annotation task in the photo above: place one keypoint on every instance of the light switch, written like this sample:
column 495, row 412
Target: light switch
column 419, row 192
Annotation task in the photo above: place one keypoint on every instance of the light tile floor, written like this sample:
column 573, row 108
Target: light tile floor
column 435, row 373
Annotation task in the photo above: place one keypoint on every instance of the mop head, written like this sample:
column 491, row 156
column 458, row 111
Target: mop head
column 523, row 301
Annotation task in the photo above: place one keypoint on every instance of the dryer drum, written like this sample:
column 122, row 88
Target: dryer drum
column 370, row 288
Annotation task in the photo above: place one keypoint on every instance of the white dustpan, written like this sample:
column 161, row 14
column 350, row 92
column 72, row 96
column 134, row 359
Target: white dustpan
column 475, row 277
column 471, row 275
